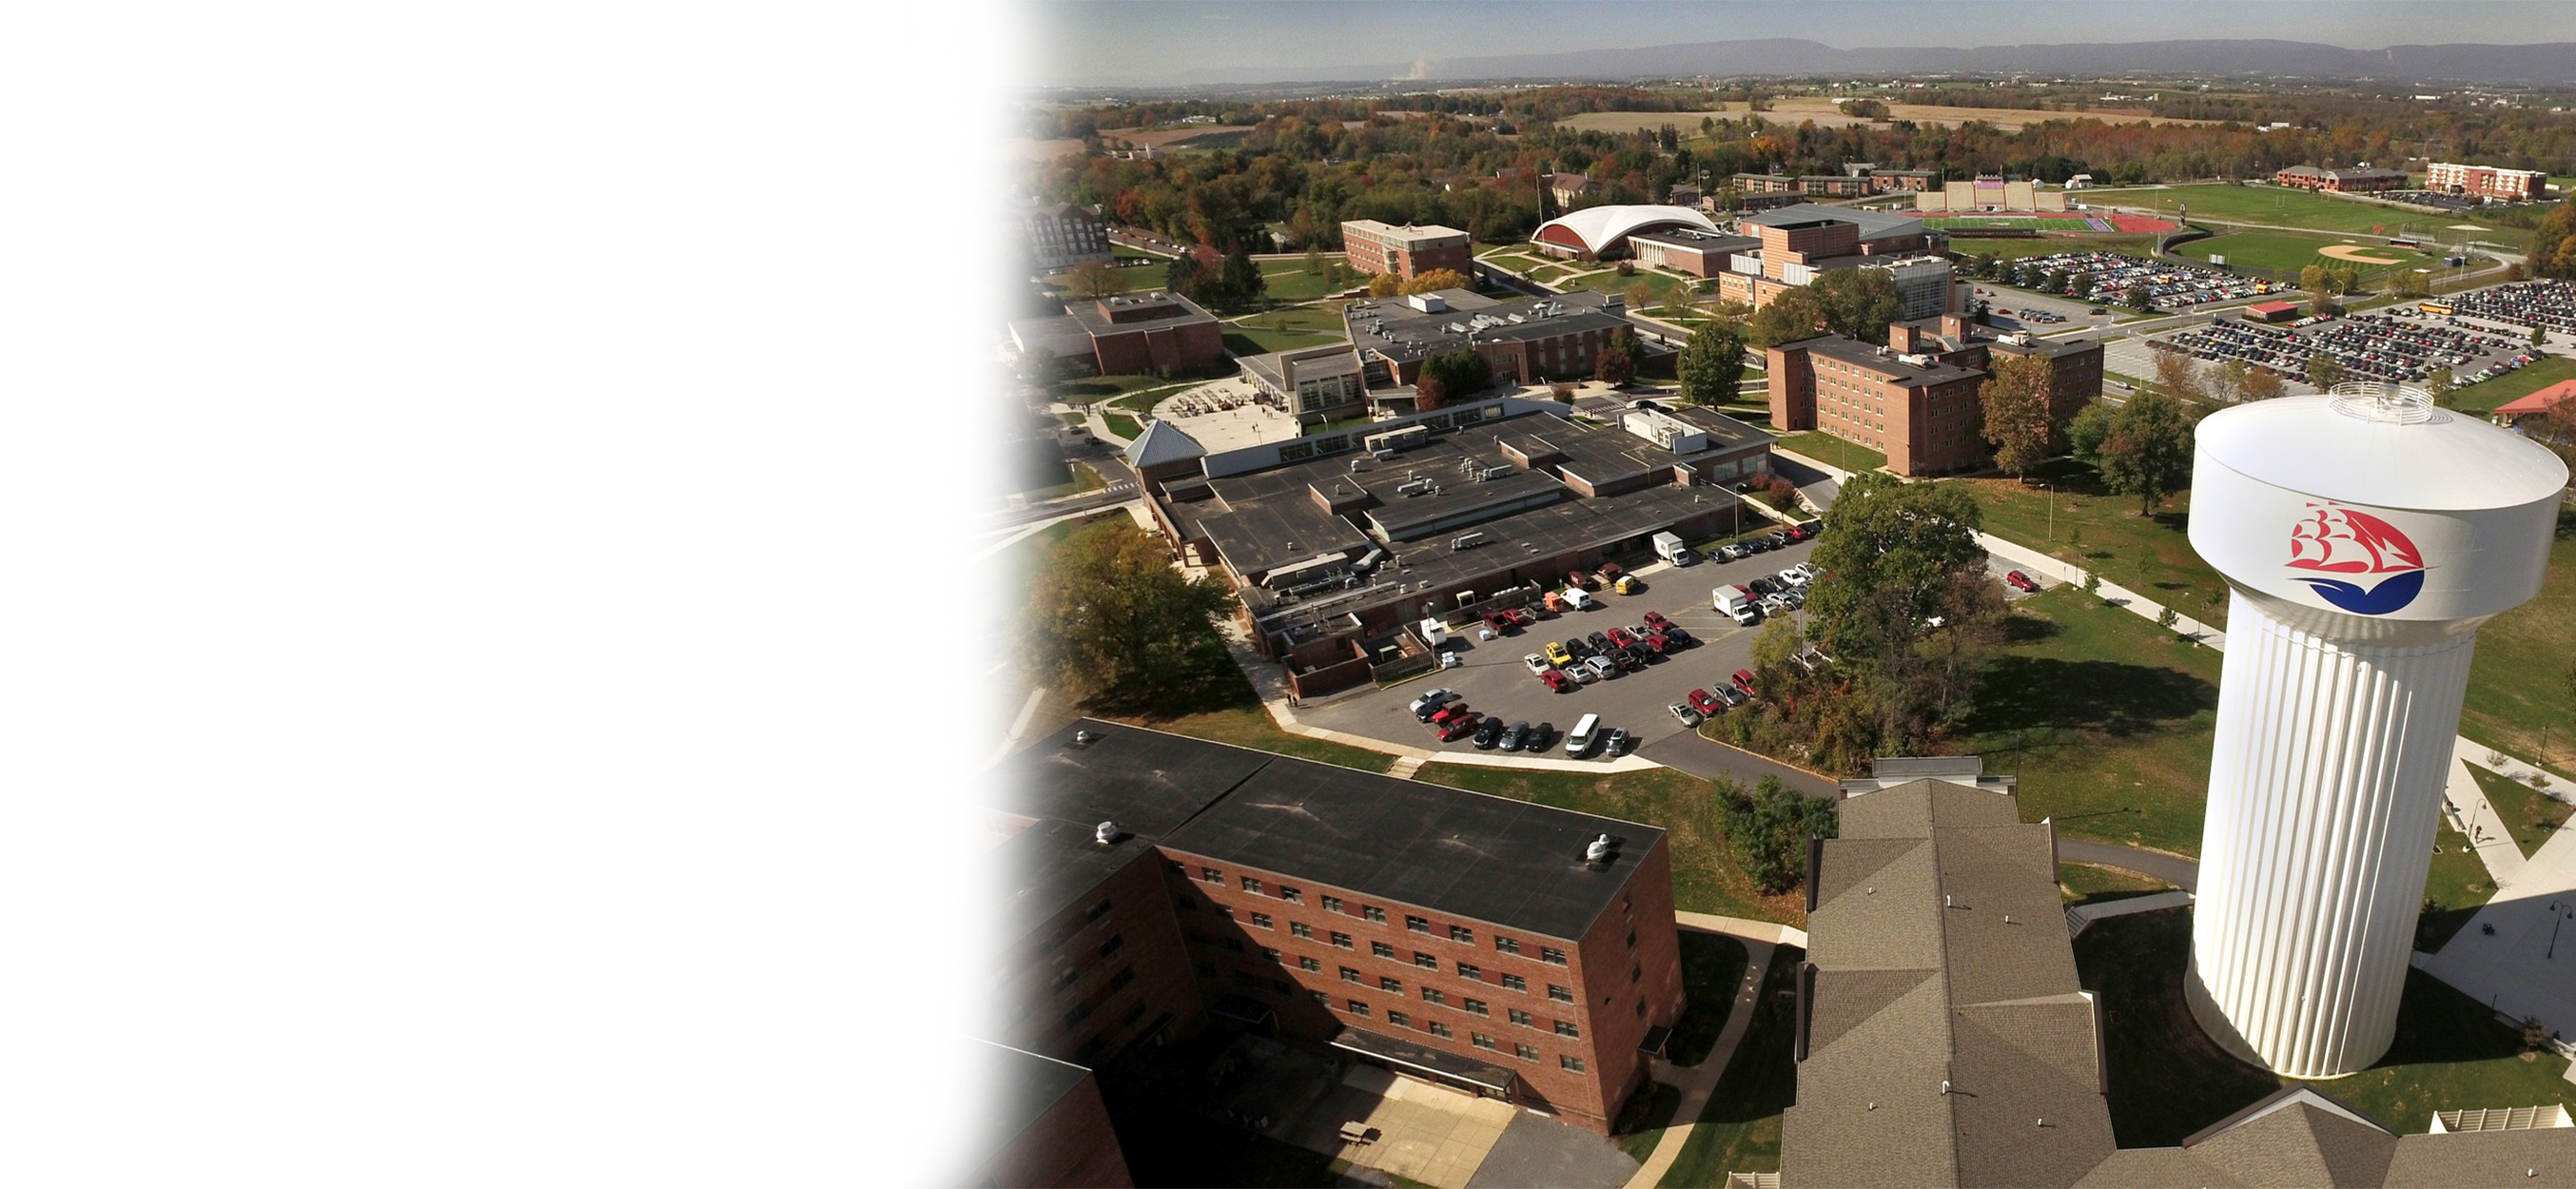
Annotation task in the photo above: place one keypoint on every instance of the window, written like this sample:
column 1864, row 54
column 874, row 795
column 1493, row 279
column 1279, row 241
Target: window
column 1417, row 924
column 1641, row 1009
column 1234, row 944
column 1322, row 998
column 1125, row 975
column 1480, row 1040
column 1567, row 1028
column 1261, row 920
column 1111, row 946
column 1399, row 1019
column 1064, row 978
column 1309, row 964
column 1573, row 1063
column 1374, row 913
column 1522, row 1018
column 1225, row 911
column 1470, row 970
column 1358, row 1008
column 1438, row 1029
column 1269, row 953
column 1434, row 995
column 1282, row 986
column 1097, row 911
column 1551, row 955
column 1425, row 961
column 1250, row 884
column 1349, row 975
column 1331, row 903
column 1632, row 939
column 1381, row 949
column 1560, row 994
column 1636, row 971
column 1080, row 1012
column 1508, row 945
column 1292, row 895
column 1397, row 985
column 1474, row 1007
column 1211, row 874
column 1514, row 982
column 1300, row 929
column 1342, row 940
column 1463, row 934
column 1524, row 1052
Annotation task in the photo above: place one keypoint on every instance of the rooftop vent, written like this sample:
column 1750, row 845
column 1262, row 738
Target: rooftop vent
column 1105, row 833
column 1599, row 851
column 1085, row 738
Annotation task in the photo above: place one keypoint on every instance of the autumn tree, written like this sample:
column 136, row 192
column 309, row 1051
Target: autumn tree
column 1617, row 361
column 1768, row 826
column 1384, row 284
column 2179, row 376
column 2015, row 398
column 1429, row 393
column 2437, row 383
column 1094, row 279
column 1438, row 278
column 2148, row 450
column 2324, row 372
column 1794, row 314
column 1112, row 624
column 2261, row 383
column 1711, row 366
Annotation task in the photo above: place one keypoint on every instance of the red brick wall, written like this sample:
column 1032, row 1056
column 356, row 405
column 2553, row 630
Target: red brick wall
column 1070, row 1145
column 1187, row 347
column 1793, row 388
column 1626, row 987
column 1149, row 946
column 1456, row 257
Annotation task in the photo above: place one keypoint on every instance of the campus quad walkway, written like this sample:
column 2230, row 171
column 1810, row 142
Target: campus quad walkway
column 1698, row 1083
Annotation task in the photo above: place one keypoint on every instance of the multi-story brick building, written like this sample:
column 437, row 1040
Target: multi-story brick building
column 1408, row 251
column 1130, row 334
column 1526, row 340
column 2487, row 181
column 1044, row 1125
column 1062, row 235
column 2360, row 179
column 1802, row 242
column 1683, row 250
column 1494, row 946
column 1915, row 399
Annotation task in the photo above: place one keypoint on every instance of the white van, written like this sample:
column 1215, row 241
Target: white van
column 1580, row 740
column 1580, row 599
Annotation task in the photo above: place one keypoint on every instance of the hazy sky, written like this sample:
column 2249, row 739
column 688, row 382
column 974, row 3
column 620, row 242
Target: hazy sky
column 1143, row 41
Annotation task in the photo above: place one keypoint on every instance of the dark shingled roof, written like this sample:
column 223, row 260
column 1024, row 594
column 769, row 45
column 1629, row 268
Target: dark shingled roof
column 987, row 1097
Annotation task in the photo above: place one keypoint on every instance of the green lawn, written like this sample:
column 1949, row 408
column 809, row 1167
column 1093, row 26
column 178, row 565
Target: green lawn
column 1712, row 969
column 1740, row 1129
column 2168, row 1079
column 2280, row 206
column 1084, row 479
column 1662, row 285
column 2080, row 521
column 1641, row 1123
column 2516, row 682
column 1123, row 425
column 2083, row 883
column 2050, row 245
column 2454, row 891
column 1288, row 280
column 2106, row 720
column 1826, row 448
column 2284, row 253
column 1135, row 279
column 2527, row 815
column 1706, row 876
column 1087, row 390
column 2522, row 382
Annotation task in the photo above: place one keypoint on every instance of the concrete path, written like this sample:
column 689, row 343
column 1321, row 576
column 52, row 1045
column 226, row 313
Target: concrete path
column 2471, row 814
column 1698, row 1083
column 1742, row 929
column 2173, row 869
column 2081, row 916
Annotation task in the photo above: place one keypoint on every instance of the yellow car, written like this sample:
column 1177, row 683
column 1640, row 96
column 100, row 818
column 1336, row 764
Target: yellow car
column 1557, row 655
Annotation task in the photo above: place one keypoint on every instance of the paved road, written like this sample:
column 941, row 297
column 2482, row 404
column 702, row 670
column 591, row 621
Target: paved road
column 2173, row 869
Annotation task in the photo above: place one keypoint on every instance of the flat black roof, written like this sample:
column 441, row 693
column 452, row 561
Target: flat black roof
column 1512, row 864
column 1144, row 781
column 987, row 1097
column 1036, row 876
column 1834, row 346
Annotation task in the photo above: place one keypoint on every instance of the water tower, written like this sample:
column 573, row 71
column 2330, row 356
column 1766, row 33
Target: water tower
column 2364, row 536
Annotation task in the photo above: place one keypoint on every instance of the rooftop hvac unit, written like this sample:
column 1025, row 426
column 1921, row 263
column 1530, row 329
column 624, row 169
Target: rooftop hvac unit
column 1416, row 487
column 1598, row 851
column 1382, row 455
column 1466, row 540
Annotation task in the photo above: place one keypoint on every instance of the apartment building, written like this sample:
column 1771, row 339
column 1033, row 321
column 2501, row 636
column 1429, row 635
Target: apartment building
column 2487, row 181
column 1407, row 251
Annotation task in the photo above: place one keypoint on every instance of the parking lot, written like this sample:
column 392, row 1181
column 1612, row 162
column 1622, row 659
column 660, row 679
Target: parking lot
column 2398, row 345
column 1492, row 680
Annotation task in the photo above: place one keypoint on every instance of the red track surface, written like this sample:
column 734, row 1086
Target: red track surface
column 2140, row 223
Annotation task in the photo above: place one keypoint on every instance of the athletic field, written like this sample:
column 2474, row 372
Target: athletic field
column 2286, row 252
column 2289, row 207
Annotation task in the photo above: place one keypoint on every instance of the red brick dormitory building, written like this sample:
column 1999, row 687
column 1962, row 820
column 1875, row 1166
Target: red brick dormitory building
column 1129, row 334
column 1407, row 252
column 1916, row 398
column 1160, row 885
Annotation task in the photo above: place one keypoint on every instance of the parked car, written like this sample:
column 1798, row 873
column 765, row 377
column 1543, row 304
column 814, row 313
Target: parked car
column 1730, row 695
column 1744, row 681
column 1629, row 584
column 1431, row 700
column 1675, row 637
column 1521, row 617
column 1488, row 734
column 1578, row 580
column 1614, row 743
column 1459, row 729
column 1704, row 703
column 1602, row 667
column 1581, row 672
column 1609, row 571
column 1539, row 737
column 1600, row 642
column 1621, row 637
column 1655, row 621
column 1793, row 576
column 1556, row 681
column 1535, row 662
column 2020, row 580
column 1655, row 643
column 1688, row 716
column 1514, row 735
column 1498, row 623
column 1451, row 713
column 1629, row 660
column 1765, row 585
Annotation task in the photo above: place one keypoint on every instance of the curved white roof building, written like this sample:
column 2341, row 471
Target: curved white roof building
column 1594, row 230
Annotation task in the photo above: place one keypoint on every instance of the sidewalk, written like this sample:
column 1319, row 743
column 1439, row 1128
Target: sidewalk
column 1699, row 1082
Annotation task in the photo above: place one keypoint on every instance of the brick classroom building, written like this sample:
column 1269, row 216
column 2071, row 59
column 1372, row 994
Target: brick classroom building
column 1915, row 398
column 1407, row 251
column 1131, row 334
column 1160, row 885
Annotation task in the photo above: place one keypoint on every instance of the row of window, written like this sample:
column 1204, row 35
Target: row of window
column 1525, row 1052
column 1262, row 920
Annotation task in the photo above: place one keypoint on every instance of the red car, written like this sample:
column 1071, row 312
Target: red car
column 1620, row 637
column 1557, row 681
column 1706, row 703
column 1499, row 622
column 1655, row 621
column 1451, row 713
column 1458, row 728
column 1521, row 617
column 1610, row 571
column 2021, row 580
column 1744, row 681
column 1656, row 643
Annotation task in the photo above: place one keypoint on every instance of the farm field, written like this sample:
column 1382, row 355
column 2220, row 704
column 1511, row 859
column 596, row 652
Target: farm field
column 2285, row 207
column 2286, row 252
column 1187, row 136
column 1798, row 109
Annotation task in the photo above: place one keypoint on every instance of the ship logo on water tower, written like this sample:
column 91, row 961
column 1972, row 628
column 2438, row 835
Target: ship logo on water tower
column 2332, row 539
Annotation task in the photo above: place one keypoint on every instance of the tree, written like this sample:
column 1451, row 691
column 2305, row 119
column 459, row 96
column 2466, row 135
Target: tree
column 1438, row 278
column 1900, row 539
column 2179, row 376
column 2091, row 426
column 2539, row 335
column 1639, row 294
column 1384, row 284
column 2082, row 286
column 1239, row 280
column 2315, row 279
column 2323, row 372
column 1094, row 279
column 1111, row 623
column 1794, row 314
column 2148, row 451
column 1461, row 373
column 2346, row 279
column 2167, row 618
column 1768, row 828
column 1039, row 366
column 1186, row 276
column 1858, row 303
column 1429, row 393
column 2261, row 383
column 2015, row 398
column 2233, row 375
column 1314, row 261
column 2553, row 243
column 2437, row 382
column 2139, row 300
column 1711, row 365
column 1618, row 358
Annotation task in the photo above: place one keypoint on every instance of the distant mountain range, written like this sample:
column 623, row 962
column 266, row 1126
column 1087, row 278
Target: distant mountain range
column 2553, row 62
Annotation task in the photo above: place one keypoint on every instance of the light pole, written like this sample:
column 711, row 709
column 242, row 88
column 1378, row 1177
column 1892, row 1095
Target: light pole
column 2557, row 917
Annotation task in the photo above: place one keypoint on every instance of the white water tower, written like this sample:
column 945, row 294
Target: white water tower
column 2364, row 537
